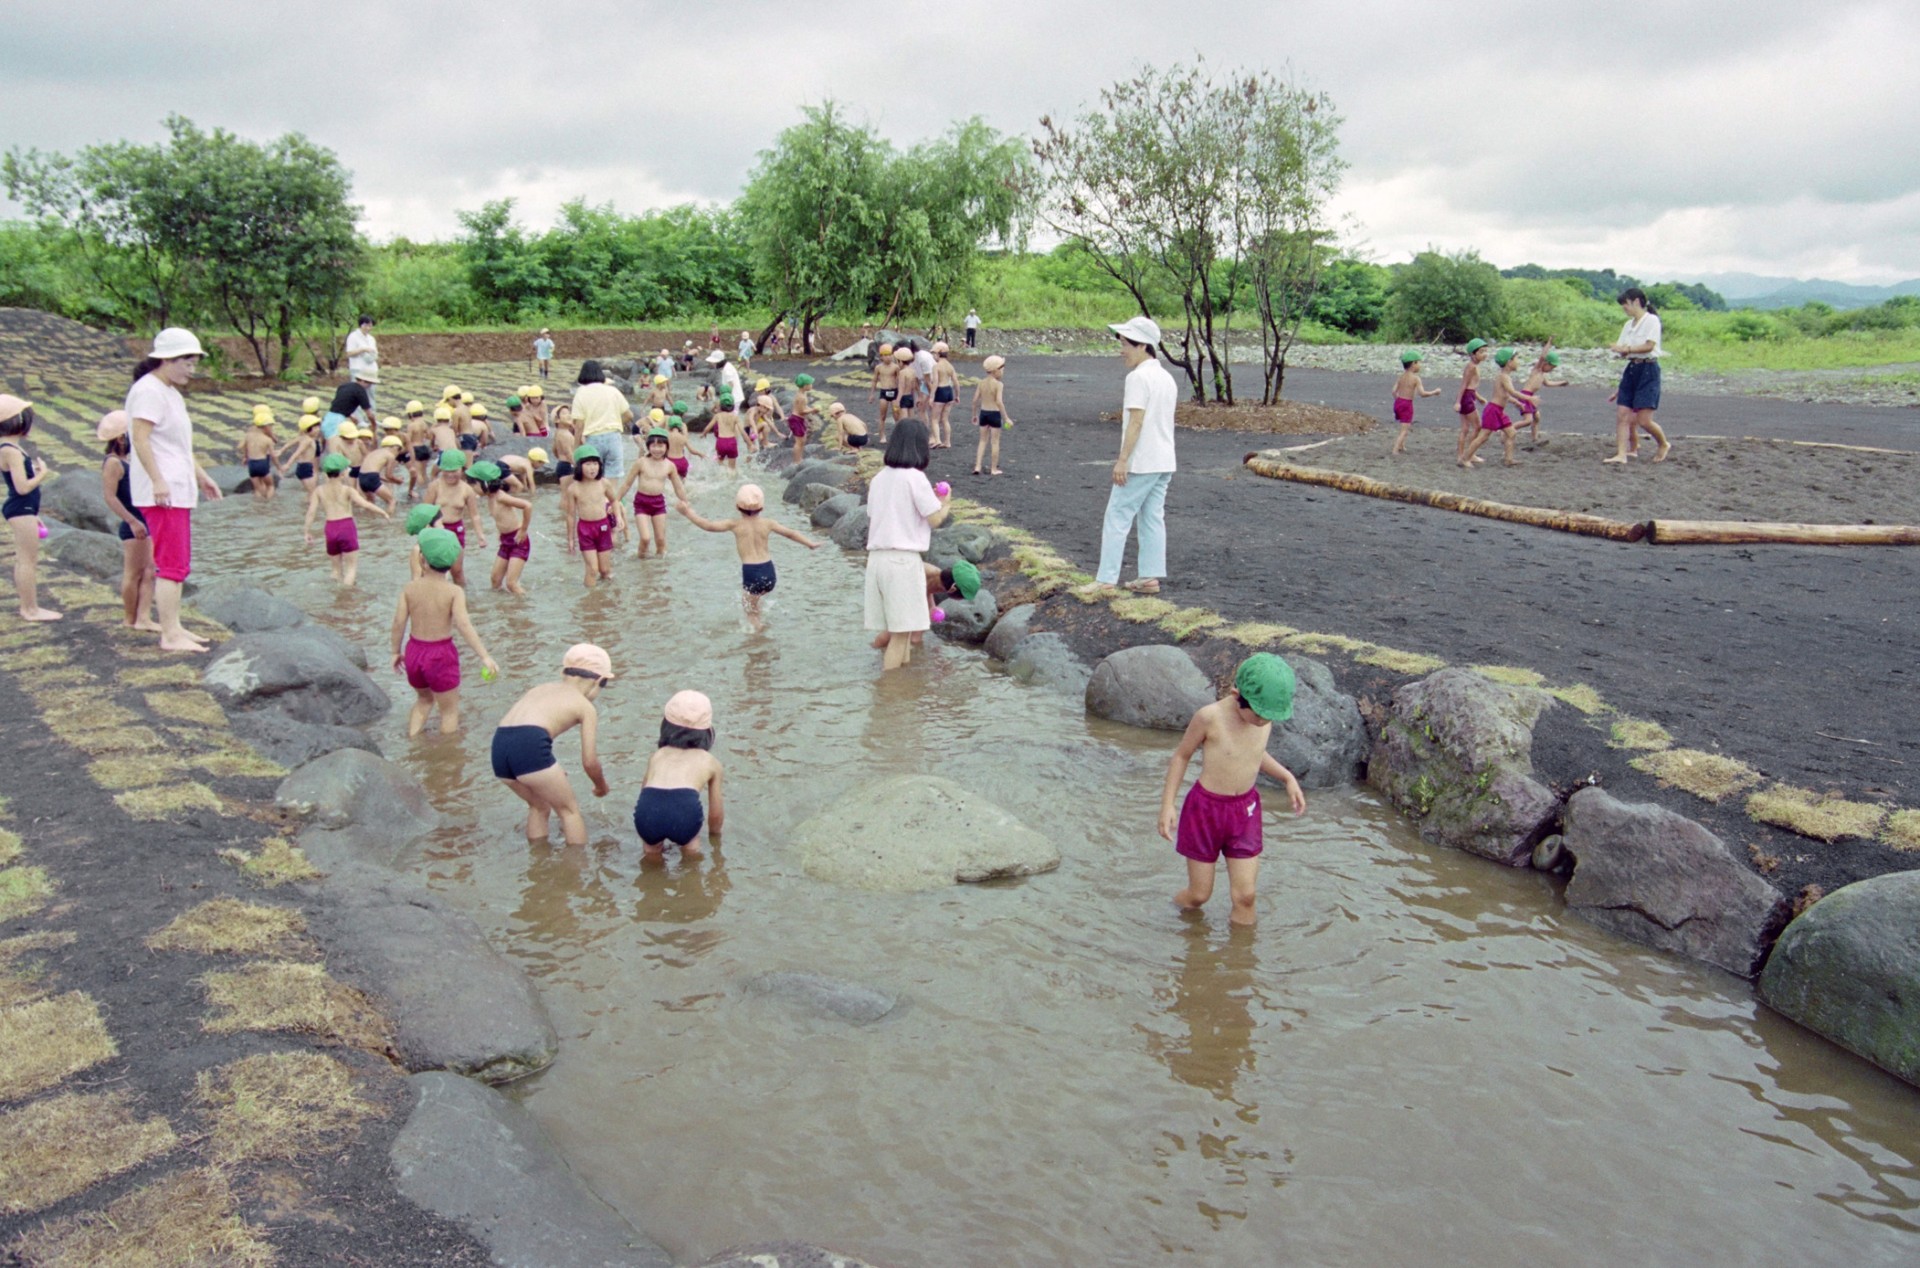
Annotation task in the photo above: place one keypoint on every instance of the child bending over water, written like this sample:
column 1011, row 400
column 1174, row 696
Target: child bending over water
column 669, row 806
column 523, row 744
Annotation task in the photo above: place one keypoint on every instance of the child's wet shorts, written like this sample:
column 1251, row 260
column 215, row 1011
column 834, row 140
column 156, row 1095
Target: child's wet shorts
column 856, row 440
column 370, row 481
column 990, row 418
column 432, row 666
column 1494, row 418
column 668, row 814
column 1528, row 409
column 1402, row 410
column 796, row 426
column 906, row 402
column 421, row 453
column 942, row 395
column 649, row 503
column 1212, row 825
column 258, row 467
column 303, row 471
column 126, row 529
column 594, row 535
column 470, row 443
column 726, row 447
column 343, row 537
column 457, row 527
column 516, row 545
column 1469, row 401
column 562, row 469
column 758, row 578
column 889, row 393
column 521, row 750
column 682, row 466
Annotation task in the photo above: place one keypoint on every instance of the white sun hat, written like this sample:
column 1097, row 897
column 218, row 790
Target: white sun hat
column 175, row 342
column 1142, row 330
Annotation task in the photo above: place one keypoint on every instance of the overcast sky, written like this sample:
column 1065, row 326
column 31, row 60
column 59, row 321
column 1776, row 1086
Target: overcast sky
column 1659, row 139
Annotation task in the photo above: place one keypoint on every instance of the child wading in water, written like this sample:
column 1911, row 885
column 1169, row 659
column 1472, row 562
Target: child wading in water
column 303, row 449
column 257, row 451
column 24, row 475
column 459, row 505
column 652, row 473
column 1538, row 378
column 751, row 532
column 136, row 548
column 1469, row 405
column 669, row 806
column 724, row 427
column 421, row 517
column 1494, row 417
column 523, row 744
column 512, row 518
column 797, row 416
column 1221, row 814
column 1405, row 388
column 592, row 514
column 431, row 611
column 990, row 412
column 337, row 498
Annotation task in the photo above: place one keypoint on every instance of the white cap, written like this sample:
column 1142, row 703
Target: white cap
column 716, row 357
column 1142, row 330
column 367, row 376
column 175, row 342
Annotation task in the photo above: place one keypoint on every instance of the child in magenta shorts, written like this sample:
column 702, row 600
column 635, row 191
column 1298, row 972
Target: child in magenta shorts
column 1221, row 814
column 432, row 610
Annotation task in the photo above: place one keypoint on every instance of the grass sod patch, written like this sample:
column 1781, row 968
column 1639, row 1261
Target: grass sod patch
column 1708, row 776
column 1581, row 697
column 110, row 740
column 10, row 845
column 187, row 706
column 37, row 681
column 1812, row 815
column 116, row 774
column 83, row 711
column 273, row 995
column 45, row 657
column 1413, row 664
column 228, row 926
column 279, row 1105
column 234, row 762
column 1256, row 634
column 1141, row 610
column 1638, row 733
column 167, row 801
column 277, row 862
column 23, row 891
column 44, row 1042
column 1902, row 830
column 189, row 1217
column 1511, row 675
column 55, row 1148
column 161, row 676
column 1184, row 623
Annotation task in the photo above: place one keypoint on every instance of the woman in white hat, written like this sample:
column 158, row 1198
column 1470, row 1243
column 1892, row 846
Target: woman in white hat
column 166, row 479
column 1145, row 466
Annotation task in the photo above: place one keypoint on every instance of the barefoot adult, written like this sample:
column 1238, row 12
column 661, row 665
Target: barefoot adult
column 1639, row 394
column 1145, row 467
column 166, row 480
column 903, row 510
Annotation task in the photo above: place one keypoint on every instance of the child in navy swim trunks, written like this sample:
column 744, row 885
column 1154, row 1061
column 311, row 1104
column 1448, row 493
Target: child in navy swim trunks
column 1221, row 814
column 1405, row 388
column 431, row 611
column 669, row 806
column 523, row 744
column 23, row 475
column 751, row 533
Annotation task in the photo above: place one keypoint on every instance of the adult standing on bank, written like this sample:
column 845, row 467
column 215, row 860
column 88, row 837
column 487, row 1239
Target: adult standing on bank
column 902, row 510
column 1145, row 467
column 355, row 396
column 1639, row 394
column 543, row 353
column 973, row 328
column 601, row 413
column 166, row 480
column 363, row 353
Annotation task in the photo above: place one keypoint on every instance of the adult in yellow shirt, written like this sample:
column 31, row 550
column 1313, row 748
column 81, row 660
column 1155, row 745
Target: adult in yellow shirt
column 601, row 412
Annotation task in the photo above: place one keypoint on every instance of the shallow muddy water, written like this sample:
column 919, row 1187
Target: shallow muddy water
column 1417, row 1058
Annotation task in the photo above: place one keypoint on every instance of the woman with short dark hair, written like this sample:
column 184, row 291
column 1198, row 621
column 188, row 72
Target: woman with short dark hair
column 1639, row 394
column 902, row 512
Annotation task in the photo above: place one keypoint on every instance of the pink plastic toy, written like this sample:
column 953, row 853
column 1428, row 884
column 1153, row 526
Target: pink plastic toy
column 943, row 488
column 43, row 530
column 939, row 615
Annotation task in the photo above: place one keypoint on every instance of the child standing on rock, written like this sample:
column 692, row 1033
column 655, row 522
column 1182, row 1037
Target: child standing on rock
column 1405, row 388
column 431, row 611
column 668, row 809
column 1221, row 813
column 337, row 498
column 523, row 744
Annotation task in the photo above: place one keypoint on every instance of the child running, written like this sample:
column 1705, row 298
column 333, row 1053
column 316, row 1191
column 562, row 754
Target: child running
column 512, row 518
column 431, row 611
column 751, row 533
column 23, row 475
column 668, row 809
column 1221, row 813
column 652, row 474
column 1540, row 377
column 337, row 498
column 257, row 450
column 1405, row 389
column 1469, row 404
column 990, row 412
column 523, row 744
column 1494, row 417
column 725, row 429
column 593, row 513
column 136, row 548
column 303, row 449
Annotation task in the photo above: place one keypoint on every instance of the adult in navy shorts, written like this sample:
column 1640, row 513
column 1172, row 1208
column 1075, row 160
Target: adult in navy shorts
column 1639, row 394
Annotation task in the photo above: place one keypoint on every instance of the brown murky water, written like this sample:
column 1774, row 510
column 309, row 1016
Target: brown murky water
column 1416, row 1059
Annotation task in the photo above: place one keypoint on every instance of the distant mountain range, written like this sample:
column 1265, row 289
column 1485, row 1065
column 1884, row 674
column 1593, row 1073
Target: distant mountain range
column 1752, row 290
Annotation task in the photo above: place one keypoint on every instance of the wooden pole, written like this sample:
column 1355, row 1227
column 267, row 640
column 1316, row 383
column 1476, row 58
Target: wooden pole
column 1739, row 532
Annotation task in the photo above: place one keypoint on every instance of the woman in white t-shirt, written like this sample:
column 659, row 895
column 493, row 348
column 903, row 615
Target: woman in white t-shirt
column 902, row 512
column 1639, row 394
column 165, row 478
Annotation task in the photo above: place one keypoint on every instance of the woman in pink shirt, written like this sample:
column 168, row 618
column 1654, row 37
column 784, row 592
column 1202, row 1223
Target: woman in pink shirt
column 165, row 478
column 902, row 512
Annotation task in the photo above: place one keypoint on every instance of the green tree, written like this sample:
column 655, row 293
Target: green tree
column 504, row 267
column 1352, row 297
column 1446, row 297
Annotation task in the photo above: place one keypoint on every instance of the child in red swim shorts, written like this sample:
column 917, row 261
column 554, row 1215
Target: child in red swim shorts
column 1221, row 814
column 1494, row 419
column 432, row 610
column 1469, row 405
column 1405, row 388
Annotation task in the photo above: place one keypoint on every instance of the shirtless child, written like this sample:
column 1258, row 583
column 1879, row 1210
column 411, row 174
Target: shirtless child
column 990, row 412
column 337, row 498
column 459, row 505
column 851, row 431
column 512, row 517
column 1538, row 378
column 380, row 469
column 1469, row 405
column 724, row 427
column 1494, row 418
column 1405, row 389
column 946, row 383
column 797, row 414
column 652, row 474
column 257, row 451
column 668, row 808
column 886, row 386
column 443, row 435
column 302, row 451
column 523, row 744
column 1221, row 813
column 751, row 531
column 678, row 444
column 593, row 514
column 906, row 383
column 417, row 448
column 433, row 609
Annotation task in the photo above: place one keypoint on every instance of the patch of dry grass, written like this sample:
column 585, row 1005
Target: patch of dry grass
column 165, row 803
column 232, row 761
column 228, row 926
column 272, row 995
column 1413, row 664
column 1511, row 675
column 161, row 676
column 1256, row 634
column 1184, row 623
column 55, row 1148
column 279, row 1105
column 1708, row 776
column 1824, row 818
column 44, row 680
column 1902, row 830
column 83, row 712
column 10, row 846
column 23, row 636
column 139, row 771
column 43, row 1042
column 23, row 891
column 1141, row 609
column 1320, row 644
column 1639, row 733
column 277, row 862
column 188, row 1217
column 112, row 740
column 1090, row 592
column 187, row 706
column 1581, row 697
column 43, row 657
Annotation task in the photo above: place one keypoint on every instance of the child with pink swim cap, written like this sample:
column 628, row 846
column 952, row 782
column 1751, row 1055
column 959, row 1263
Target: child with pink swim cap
column 523, row 743
column 751, row 535
column 668, row 809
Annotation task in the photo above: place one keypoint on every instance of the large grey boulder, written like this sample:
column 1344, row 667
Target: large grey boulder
column 825, row 996
column 457, row 1003
column 1048, row 660
column 474, row 1156
column 1455, row 755
column 812, row 495
column 828, row 475
column 831, row 511
column 303, row 671
column 968, row 620
column 916, row 832
column 96, row 555
column 1324, row 743
column 1013, row 626
column 1648, row 874
column 246, row 609
column 292, row 742
column 351, row 786
column 231, row 478
column 1848, row 967
column 1155, row 685
column 850, row 530
column 970, row 542
column 75, row 499
column 782, row 1255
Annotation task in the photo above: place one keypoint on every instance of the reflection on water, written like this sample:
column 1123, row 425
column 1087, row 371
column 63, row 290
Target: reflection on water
column 1414, row 1059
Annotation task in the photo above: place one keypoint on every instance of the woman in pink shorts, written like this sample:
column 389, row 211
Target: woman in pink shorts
column 165, row 480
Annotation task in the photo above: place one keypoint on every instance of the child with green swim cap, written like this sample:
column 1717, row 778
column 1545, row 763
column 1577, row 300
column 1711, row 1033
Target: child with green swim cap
column 1405, row 389
column 1222, row 813
column 337, row 498
column 431, row 611
column 423, row 516
column 1468, row 406
column 1540, row 377
column 459, row 505
column 652, row 473
column 1494, row 416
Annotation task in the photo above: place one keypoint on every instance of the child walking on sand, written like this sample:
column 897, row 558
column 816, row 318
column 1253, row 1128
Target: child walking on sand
column 337, row 498
column 512, row 518
column 431, row 611
column 990, row 412
column 1537, row 379
column 946, row 383
column 652, row 474
column 23, row 475
column 1405, row 388
column 668, row 809
column 1221, row 814
column 257, row 450
column 593, row 513
column 1469, row 405
column 523, row 744
column 1494, row 418
column 751, row 532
